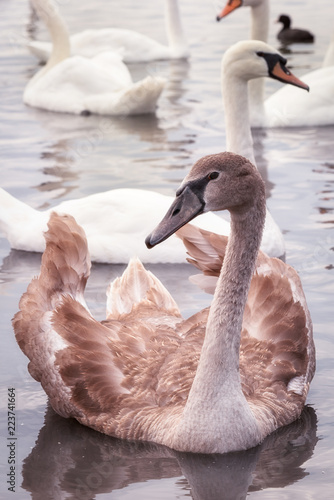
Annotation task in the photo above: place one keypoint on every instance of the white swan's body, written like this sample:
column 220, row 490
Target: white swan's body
column 101, row 85
column 115, row 222
column 288, row 107
column 217, row 382
column 135, row 47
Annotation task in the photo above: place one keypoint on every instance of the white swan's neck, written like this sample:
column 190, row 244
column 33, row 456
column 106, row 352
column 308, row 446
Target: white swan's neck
column 176, row 40
column 237, row 125
column 260, row 21
column 259, row 31
column 49, row 14
column 217, row 413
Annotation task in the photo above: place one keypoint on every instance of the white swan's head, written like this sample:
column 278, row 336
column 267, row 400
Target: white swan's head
column 223, row 181
column 231, row 5
column 253, row 59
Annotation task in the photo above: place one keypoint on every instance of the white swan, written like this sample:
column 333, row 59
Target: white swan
column 101, row 85
column 241, row 63
column 217, row 382
column 135, row 46
column 286, row 107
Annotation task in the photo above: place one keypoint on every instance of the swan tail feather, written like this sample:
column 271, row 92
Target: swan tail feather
column 138, row 287
column 64, row 271
column 140, row 98
column 66, row 261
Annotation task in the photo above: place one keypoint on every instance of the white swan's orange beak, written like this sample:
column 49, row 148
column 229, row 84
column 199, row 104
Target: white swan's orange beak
column 281, row 73
column 229, row 7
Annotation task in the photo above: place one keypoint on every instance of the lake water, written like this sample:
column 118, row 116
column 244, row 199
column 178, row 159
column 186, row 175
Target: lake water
column 47, row 158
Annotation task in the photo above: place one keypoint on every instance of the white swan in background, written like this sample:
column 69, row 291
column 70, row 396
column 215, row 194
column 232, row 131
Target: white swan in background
column 116, row 223
column 135, row 46
column 217, row 382
column 241, row 63
column 101, row 85
column 288, row 107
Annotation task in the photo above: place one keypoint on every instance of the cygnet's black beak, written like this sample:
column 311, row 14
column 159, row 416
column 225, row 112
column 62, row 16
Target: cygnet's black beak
column 186, row 206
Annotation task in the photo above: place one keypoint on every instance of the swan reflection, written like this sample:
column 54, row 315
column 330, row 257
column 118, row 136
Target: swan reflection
column 73, row 459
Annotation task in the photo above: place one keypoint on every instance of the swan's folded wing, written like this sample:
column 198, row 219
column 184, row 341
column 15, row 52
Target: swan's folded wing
column 277, row 350
column 277, row 355
column 276, row 316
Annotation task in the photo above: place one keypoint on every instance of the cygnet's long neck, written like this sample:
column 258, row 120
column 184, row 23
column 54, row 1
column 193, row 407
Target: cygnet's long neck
column 49, row 14
column 222, row 340
column 235, row 98
column 217, row 412
column 176, row 39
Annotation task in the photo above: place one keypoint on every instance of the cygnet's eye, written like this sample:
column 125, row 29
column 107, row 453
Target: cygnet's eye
column 213, row 175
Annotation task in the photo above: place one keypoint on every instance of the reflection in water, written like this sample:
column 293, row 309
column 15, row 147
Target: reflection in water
column 93, row 127
column 20, row 266
column 326, row 196
column 174, row 107
column 259, row 135
column 297, row 51
column 69, row 457
column 32, row 23
column 60, row 168
column 75, row 140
